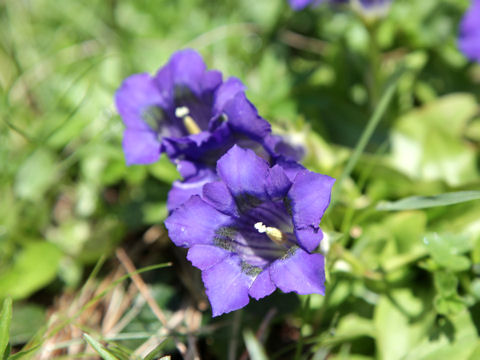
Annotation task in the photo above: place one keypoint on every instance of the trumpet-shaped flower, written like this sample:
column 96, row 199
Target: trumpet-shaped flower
column 254, row 230
column 187, row 111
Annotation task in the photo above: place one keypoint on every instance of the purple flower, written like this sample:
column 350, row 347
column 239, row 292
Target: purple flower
column 368, row 8
column 273, row 148
column 301, row 4
column 469, row 38
column 254, row 230
column 186, row 111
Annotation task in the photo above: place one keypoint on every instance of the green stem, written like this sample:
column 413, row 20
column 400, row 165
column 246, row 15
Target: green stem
column 305, row 310
column 374, row 75
column 367, row 134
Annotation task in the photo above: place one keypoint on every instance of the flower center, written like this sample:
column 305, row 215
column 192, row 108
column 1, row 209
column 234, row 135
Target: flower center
column 183, row 113
column 272, row 232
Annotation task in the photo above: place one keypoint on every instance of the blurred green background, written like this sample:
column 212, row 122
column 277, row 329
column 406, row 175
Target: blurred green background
column 402, row 284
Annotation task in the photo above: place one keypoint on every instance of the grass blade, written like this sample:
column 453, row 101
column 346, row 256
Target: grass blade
column 99, row 348
column 423, row 202
column 255, row 349
column 367, row 132
column 5, row 320
column 21, row 354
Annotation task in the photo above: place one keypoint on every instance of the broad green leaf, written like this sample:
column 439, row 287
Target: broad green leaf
column 5, row 320
column 446, row 250
column 422, row 202
column 401, row 321
column 36, row 175
column 353, row 326
column 99, row 348
column 446, row 283
column 448, row 305
column 28, row 319
column 427, row 143
column 255, row 349
column 35, row 266
column 476, row 352
column 455, row 338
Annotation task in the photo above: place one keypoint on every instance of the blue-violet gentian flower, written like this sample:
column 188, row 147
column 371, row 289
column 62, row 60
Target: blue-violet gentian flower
column 187, row 111
column 195, row 117
column 254, row 230
column 370, row 9
column 469, row 38
column 301, row 4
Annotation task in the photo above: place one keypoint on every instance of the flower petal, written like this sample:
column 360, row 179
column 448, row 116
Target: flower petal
column 181, row 191
column 309, row 237
column 185, row 68
column 136, row 94
column 206, row 256
column 469, row 38
column 140, row 146
column 277, row 183
column 225, row 93
column 243, row 172
column 227, row 286
column 309, row 198
column 243, row 117
column 262, row 286
column 290, row 167
column 277, row 145
column 211, row 80
column 300, row 272
column 299, row 4
column 217, row 194
column 195, row 222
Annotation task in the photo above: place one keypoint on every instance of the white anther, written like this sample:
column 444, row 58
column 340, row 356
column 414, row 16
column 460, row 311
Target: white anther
column 260, row 227
column 181, row 111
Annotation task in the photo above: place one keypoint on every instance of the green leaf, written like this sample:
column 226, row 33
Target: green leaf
column 36, row 175
column 21, row 354
column 448, row 305
column 401, row 320
column 155, row 353
column 99, row 348
column 428, row 143
column 446, row 250
column 446, row 283
column 164, row 170
column 28, row 319
column 454, row 338
column 33, row 268
column 5, row 320
column 422, row 202
column 6, row 353
column 255, row 349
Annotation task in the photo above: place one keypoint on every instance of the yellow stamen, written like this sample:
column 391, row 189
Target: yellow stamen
column 192, row 127
column 273, row 233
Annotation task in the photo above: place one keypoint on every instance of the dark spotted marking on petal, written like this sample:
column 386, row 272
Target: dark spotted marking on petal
column 224, row 238
column 154, row 116
column 289, row 252
column 250, row 270
column 287, row 202
column 246, row 202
